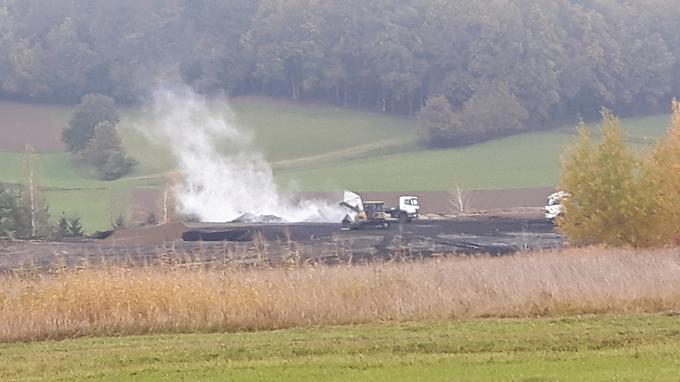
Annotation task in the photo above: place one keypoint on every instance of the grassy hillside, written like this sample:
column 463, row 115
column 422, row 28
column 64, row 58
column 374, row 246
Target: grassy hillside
column 524, row 160
column 603, row 348
column 520, row 161
column 311, row 147
column 320, row 148
column 287, row 132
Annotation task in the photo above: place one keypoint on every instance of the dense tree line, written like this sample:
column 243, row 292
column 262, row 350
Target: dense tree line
column 493, row 66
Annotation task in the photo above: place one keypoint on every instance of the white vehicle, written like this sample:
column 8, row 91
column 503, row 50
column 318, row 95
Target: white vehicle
column 373, row 213
column 354, row 207
column 554, row 208
column 362, row 214
column 409, row 209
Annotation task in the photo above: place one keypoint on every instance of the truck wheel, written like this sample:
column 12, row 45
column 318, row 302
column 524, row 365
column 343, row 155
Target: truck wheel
column 346, row 225
column 403, row 218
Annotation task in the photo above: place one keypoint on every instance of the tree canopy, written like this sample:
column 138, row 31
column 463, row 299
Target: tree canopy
column 92, row 110
column 503, row 66
column 620, row 197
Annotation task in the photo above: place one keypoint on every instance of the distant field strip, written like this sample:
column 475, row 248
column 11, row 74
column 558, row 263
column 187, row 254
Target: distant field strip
column 363, row 151
column 37, row 125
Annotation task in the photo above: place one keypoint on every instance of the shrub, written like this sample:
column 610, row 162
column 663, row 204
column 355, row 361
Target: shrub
column 61, row 230
column 75, row 227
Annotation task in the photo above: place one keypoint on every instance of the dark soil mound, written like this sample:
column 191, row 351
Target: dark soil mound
column 149, row 235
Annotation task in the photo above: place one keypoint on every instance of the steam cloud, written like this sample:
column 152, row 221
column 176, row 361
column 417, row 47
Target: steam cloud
column 224, row 177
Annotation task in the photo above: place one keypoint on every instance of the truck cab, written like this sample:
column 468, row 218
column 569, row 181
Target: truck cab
column 410, row 205
column 409, row 209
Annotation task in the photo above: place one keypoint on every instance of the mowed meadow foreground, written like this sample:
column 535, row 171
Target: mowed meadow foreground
column 179, row 298
column 588, row 348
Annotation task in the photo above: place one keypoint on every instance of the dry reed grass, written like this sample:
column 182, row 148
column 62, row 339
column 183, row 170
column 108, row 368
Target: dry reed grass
column 114, row 300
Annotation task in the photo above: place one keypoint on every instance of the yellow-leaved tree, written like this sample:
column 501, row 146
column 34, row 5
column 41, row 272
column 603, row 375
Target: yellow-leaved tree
column 601, row 181
column 618, row 197
column 660, row 180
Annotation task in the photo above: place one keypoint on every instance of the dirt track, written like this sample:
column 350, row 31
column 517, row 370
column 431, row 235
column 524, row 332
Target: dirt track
column 276, row 243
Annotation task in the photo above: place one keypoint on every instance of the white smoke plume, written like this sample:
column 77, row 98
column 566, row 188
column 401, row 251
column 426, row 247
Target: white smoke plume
column 224, row 177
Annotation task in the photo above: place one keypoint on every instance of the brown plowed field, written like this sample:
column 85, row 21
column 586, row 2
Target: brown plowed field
column 26, row 124
column 435, row 202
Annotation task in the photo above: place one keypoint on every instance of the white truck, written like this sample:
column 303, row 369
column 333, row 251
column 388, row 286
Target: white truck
column 553, row 208
column 409, row 209
column 362, row 214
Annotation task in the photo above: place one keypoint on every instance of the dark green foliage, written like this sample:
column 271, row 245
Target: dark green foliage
column 15, row 215
column 92, row 133
column 490, row 112
column 68, row 227
column 62, row 229
column 15, row 221
column 75, row 227
column 439, row 125
column 534, row 60
column 92, row 110
column 493, row 111
column 106, row 153
column 115, row 166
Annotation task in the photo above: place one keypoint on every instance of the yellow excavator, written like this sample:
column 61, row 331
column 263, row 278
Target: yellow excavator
column 360, row 214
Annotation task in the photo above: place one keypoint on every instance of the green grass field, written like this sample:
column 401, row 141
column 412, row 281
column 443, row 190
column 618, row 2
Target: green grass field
column 602, row 348
column 311, row 147
column 524, row 160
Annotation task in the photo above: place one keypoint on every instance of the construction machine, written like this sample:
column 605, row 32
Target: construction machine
column 372, row 214
column 362, row 214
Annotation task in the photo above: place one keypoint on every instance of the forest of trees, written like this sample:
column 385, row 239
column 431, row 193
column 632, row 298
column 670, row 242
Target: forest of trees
column 490, row 66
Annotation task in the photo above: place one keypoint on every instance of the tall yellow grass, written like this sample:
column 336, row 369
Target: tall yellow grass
column 153, row 299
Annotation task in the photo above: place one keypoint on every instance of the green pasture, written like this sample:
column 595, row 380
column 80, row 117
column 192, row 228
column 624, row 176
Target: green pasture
column 519, row 161
column 72, row 189
column 321, row 148
column 316, row 148
column 602, row 348
column 528, row 160
column 285, row 132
